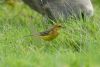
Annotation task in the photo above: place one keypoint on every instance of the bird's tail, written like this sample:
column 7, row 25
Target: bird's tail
column 28, row 36
column 32, row 35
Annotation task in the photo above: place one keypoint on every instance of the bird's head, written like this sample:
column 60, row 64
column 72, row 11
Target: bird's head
column 57, row 27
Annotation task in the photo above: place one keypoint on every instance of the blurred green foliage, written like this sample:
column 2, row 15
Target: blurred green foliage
column 19, row 51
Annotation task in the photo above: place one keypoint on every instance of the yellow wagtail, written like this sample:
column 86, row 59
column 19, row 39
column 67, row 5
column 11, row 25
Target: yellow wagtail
column 49, row 34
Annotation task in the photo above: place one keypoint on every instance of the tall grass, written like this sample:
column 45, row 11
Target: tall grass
column 19, row 51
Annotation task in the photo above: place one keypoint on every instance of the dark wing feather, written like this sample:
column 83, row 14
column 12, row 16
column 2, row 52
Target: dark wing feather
column 45, row 33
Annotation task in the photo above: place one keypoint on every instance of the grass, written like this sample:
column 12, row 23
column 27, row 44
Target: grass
column 19, row 51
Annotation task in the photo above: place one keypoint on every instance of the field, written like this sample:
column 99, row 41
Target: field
column 16, row 50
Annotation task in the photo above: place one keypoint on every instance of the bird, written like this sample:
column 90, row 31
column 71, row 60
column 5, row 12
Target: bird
column 49, row 34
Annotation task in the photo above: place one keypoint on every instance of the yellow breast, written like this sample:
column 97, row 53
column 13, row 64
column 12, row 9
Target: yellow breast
column 49, row 37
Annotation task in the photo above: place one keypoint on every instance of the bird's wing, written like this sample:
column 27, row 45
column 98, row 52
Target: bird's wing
column 45, row 33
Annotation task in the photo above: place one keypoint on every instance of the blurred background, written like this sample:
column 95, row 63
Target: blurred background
column 18, row 20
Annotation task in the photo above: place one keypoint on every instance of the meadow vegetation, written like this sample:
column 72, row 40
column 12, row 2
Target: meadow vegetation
column 78, row 44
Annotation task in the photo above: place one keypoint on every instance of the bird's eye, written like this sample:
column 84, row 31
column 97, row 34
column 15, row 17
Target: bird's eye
column 59, row 26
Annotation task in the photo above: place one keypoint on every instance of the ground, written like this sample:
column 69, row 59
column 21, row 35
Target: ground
column 78, row 44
